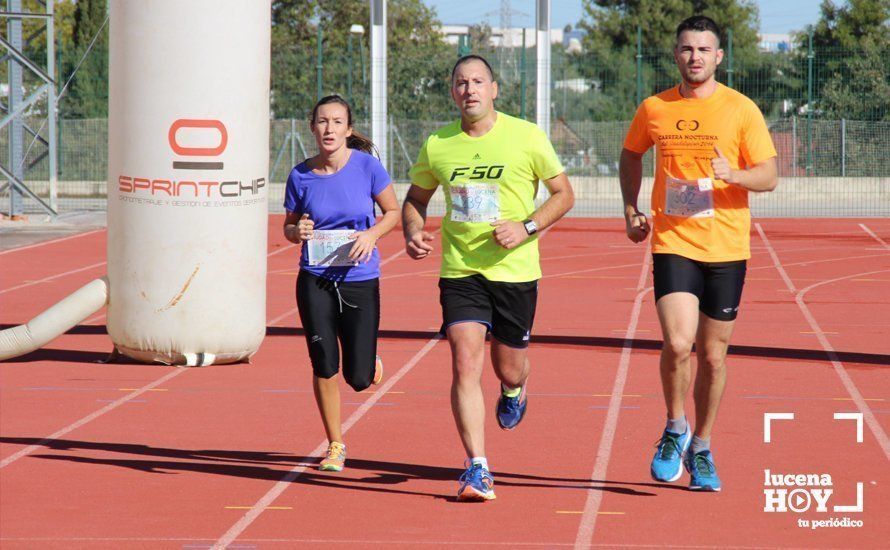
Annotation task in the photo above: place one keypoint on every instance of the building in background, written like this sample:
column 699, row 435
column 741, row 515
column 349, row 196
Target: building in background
column 775, row 43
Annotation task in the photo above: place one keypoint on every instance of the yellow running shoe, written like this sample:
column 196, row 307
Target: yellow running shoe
column 335, row 458
column 378, row 371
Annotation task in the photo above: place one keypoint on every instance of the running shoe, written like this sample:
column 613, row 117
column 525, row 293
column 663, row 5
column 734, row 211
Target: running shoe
column 378, row 371
column 704, row 474
column 476, row 484
column 334, row 459
column 667, row 464
column 511, row 410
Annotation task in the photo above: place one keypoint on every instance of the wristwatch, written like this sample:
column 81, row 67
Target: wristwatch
column 530, row 226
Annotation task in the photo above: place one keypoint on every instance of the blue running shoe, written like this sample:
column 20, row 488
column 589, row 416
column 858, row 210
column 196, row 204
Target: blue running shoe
column 704, row 474
column 510, row 410
column 476, row 484
column 667, row 464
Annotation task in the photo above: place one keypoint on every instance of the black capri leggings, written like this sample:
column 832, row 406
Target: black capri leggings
column 348, row 311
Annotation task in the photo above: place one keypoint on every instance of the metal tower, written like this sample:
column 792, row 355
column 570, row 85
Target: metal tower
column 15, row 112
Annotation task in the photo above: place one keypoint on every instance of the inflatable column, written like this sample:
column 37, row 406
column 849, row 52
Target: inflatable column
column 188, row 160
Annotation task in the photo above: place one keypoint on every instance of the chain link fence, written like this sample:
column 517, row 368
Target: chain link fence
column 827, row 167
column 831, row 139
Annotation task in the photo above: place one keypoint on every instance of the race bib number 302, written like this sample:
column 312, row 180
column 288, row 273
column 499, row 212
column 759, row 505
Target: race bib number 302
column 475, row 202
column 689, row 198
column 331, row 247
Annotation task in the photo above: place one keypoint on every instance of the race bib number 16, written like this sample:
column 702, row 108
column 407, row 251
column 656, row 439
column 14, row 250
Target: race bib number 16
column 475, row 202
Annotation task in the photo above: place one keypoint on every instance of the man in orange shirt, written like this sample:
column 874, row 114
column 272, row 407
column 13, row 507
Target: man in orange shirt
column 712, row 148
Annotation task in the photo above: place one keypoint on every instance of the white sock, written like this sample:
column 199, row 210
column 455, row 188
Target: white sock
column 481, row 460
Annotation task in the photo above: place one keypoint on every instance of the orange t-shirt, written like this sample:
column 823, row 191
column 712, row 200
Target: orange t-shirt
column 694, row 215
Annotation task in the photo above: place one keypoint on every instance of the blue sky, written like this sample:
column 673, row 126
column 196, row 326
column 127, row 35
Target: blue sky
column 775, row 16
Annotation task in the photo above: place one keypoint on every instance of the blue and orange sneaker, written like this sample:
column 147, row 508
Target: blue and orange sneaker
column 476, row 484
column 667, row 464
column 704, row 474
column 511, row 410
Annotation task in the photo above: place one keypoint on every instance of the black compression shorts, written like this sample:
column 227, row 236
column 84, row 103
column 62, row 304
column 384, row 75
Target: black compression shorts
column 348, row 311
column 718, row 285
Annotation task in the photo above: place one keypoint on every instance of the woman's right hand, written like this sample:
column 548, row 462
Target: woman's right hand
column 305, row 227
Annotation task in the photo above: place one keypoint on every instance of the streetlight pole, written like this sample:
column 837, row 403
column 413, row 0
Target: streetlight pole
column 353, row 30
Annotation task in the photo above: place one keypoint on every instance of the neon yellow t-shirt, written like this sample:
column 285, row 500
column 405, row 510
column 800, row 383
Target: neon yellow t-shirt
column 486, row 178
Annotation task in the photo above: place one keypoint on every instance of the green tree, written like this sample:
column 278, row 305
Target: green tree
column 87, row 96
column 849, row 25
column 34, row 36
column 418, row 58
column 861, row 88
column 853, row 43
column 64, row 22
column 293, row 38
column 611, row 43
column 480, row 39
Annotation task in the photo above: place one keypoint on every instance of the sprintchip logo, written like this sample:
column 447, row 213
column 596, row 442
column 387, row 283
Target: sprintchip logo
column 214, row 138
column 200, row 152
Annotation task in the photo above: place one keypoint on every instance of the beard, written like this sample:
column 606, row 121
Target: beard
column 695, row 79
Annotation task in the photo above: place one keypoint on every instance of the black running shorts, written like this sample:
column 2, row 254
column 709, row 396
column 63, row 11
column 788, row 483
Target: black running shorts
column 507, row 309
column 718, row 285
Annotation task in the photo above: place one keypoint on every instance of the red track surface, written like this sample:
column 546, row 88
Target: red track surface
column 88, row 459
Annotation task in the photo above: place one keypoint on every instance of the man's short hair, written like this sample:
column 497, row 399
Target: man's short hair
column 700, row 23
column 467, row 59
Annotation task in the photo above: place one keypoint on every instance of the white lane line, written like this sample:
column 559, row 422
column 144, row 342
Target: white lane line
column 89, row 418
column 266, row 500
column 51, row 241
column 280, row 250
column 51, row 278
column 839, row 369
column 874, row 236
column 772, row 254
column 849, row 385
column 606, row 268
column 595, row 496
column 828, row 260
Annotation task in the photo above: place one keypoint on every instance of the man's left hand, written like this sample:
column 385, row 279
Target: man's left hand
column 509, row 234
column 720, row 165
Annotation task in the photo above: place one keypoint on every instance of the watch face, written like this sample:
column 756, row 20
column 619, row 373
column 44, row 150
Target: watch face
column 531, row 227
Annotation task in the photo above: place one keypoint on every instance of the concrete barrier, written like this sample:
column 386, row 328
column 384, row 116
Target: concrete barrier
column 601, row 196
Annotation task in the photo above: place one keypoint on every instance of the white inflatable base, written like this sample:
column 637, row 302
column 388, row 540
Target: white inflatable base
column 185, row 359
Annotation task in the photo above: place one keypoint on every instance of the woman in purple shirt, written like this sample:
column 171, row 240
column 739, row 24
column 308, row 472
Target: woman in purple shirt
column 329, row 200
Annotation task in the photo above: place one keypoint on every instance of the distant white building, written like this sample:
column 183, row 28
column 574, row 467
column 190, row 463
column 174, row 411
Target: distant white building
column 775, row 43
column 501, row 36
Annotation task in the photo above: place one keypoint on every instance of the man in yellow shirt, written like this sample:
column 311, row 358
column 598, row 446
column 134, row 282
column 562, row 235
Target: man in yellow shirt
column 712, row 148
column 488, row 165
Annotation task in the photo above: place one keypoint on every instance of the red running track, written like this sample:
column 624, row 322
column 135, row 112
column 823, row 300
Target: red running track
column 142, row 456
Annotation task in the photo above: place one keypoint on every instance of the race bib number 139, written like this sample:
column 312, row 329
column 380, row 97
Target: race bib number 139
column 475, row 202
